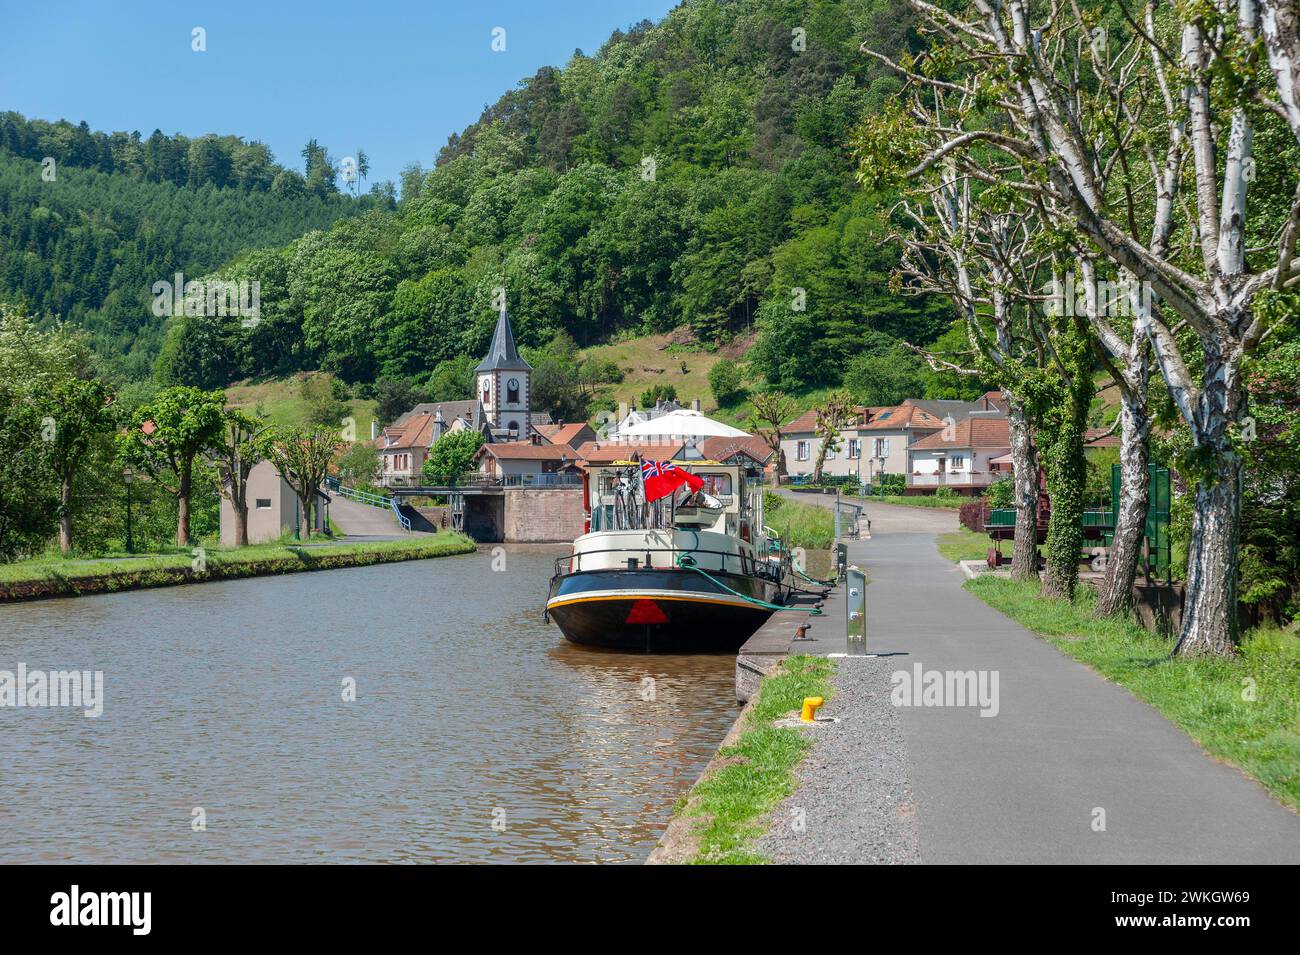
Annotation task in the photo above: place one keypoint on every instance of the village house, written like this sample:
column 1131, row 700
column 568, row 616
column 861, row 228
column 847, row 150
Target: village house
column 524, row 463
column 800, row 443
column 878, row 441
column 962, row 457
column 752, row 453
column 404, row 445
column 574, row 434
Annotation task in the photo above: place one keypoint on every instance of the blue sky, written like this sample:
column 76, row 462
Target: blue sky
column 394, row 78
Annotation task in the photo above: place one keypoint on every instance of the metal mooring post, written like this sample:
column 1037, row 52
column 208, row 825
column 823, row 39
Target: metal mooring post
column 856, row 612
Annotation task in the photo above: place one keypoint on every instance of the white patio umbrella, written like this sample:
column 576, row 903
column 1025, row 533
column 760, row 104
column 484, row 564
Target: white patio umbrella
column 686, row 422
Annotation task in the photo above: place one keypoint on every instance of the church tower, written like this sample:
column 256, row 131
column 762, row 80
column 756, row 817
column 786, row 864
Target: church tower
column 505, row 382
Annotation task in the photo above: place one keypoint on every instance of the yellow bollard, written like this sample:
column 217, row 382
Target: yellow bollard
column 810, row 707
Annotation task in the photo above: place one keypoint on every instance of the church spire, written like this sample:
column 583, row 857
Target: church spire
column 502, row 354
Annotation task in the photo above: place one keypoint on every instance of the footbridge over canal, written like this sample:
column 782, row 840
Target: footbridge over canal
column 542, row 508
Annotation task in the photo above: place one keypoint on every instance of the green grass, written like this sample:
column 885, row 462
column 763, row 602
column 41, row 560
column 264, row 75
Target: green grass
column 809, row 526
column 733, row 802
column 964, row 544
column 53, row 575
column 282, row 402
column 651, row 360
column 915, row 500
column 1206, row 698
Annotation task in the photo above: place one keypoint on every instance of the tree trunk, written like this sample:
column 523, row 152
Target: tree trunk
column 1116, row 595
column 305, row 530
column 1066, row 473
column 183, row 508
column 1210, row 606
column 65, row 515
column 1210, row 624
column 241, row 522
column 1024, row 477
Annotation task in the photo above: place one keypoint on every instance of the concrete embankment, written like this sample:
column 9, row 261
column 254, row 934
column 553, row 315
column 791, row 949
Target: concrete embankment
column 78, row 578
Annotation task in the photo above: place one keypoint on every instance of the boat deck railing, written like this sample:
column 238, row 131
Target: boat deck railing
column 739, row 563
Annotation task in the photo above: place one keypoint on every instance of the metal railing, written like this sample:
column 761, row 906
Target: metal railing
column 746, row 566
column 541, row 480
column 949, row 479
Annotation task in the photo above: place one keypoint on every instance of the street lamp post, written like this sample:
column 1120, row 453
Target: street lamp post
column 128, row 475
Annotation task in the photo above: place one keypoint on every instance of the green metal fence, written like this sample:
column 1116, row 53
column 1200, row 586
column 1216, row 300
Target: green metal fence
column 1157, row 523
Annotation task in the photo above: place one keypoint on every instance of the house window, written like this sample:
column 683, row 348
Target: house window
column 882, row 447
column 830, row 454
column 801, row 450
column 956, row 462
column 263, row 503
column 855, row 448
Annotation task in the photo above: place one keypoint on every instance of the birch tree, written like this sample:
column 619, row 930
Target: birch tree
column 953, row 248
column 1065, row 117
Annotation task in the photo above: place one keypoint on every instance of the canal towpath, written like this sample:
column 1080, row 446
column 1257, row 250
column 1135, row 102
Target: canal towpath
column 1072, row 769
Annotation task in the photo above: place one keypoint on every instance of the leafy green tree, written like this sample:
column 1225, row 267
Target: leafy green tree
column 29, row 506
column 394, row 397
column 771, row 410
column 77, row 414
column 452, row 455
column 166, row 437
column 657, row 393
column 247, row 442
column 452, row 380
column 358, row 465
column 726, row 382
column 832, row 415
column 326, row 400
column 303, row 456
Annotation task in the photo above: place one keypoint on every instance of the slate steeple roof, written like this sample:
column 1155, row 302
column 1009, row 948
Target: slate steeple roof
column 502, row 353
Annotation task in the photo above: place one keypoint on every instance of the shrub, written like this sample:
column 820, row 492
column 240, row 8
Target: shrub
column 725, row 382
column 971, row 515
column 945, row 492
column 1001, row 493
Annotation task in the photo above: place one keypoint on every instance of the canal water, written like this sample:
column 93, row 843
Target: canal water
column 477, row 734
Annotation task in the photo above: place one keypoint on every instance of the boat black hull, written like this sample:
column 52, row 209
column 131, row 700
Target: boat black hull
column 659, row 610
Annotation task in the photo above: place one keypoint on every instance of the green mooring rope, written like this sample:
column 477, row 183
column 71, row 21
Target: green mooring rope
column 688, row 562
column 813, row 580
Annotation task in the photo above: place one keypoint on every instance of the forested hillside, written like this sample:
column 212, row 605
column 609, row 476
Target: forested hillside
column 691, row 172
column 89, row 221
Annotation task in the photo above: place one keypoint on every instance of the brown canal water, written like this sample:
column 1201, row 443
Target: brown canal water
column 478, row 734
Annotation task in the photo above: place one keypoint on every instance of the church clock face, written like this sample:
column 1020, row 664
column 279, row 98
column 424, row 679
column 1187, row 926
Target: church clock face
column 512, row 390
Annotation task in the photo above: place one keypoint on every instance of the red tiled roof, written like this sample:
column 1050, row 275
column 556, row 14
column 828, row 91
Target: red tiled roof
column 906, row 415
column 603, row 452
column 719, row 449
column 806, row 423
column 976, row 431
column 1100, row 438
column 563, row 432
column 527, row 451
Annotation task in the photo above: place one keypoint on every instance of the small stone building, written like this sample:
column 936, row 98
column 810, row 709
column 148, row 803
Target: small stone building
column 273, row 509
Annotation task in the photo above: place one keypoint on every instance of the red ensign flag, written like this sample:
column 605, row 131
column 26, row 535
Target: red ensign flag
column 661, row 478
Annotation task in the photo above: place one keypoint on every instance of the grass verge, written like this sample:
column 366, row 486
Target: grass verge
column 51, row 577
column 964, row 544
column 809, row 526
column 916, row 500
column 757, row 771
column 1244, row 711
